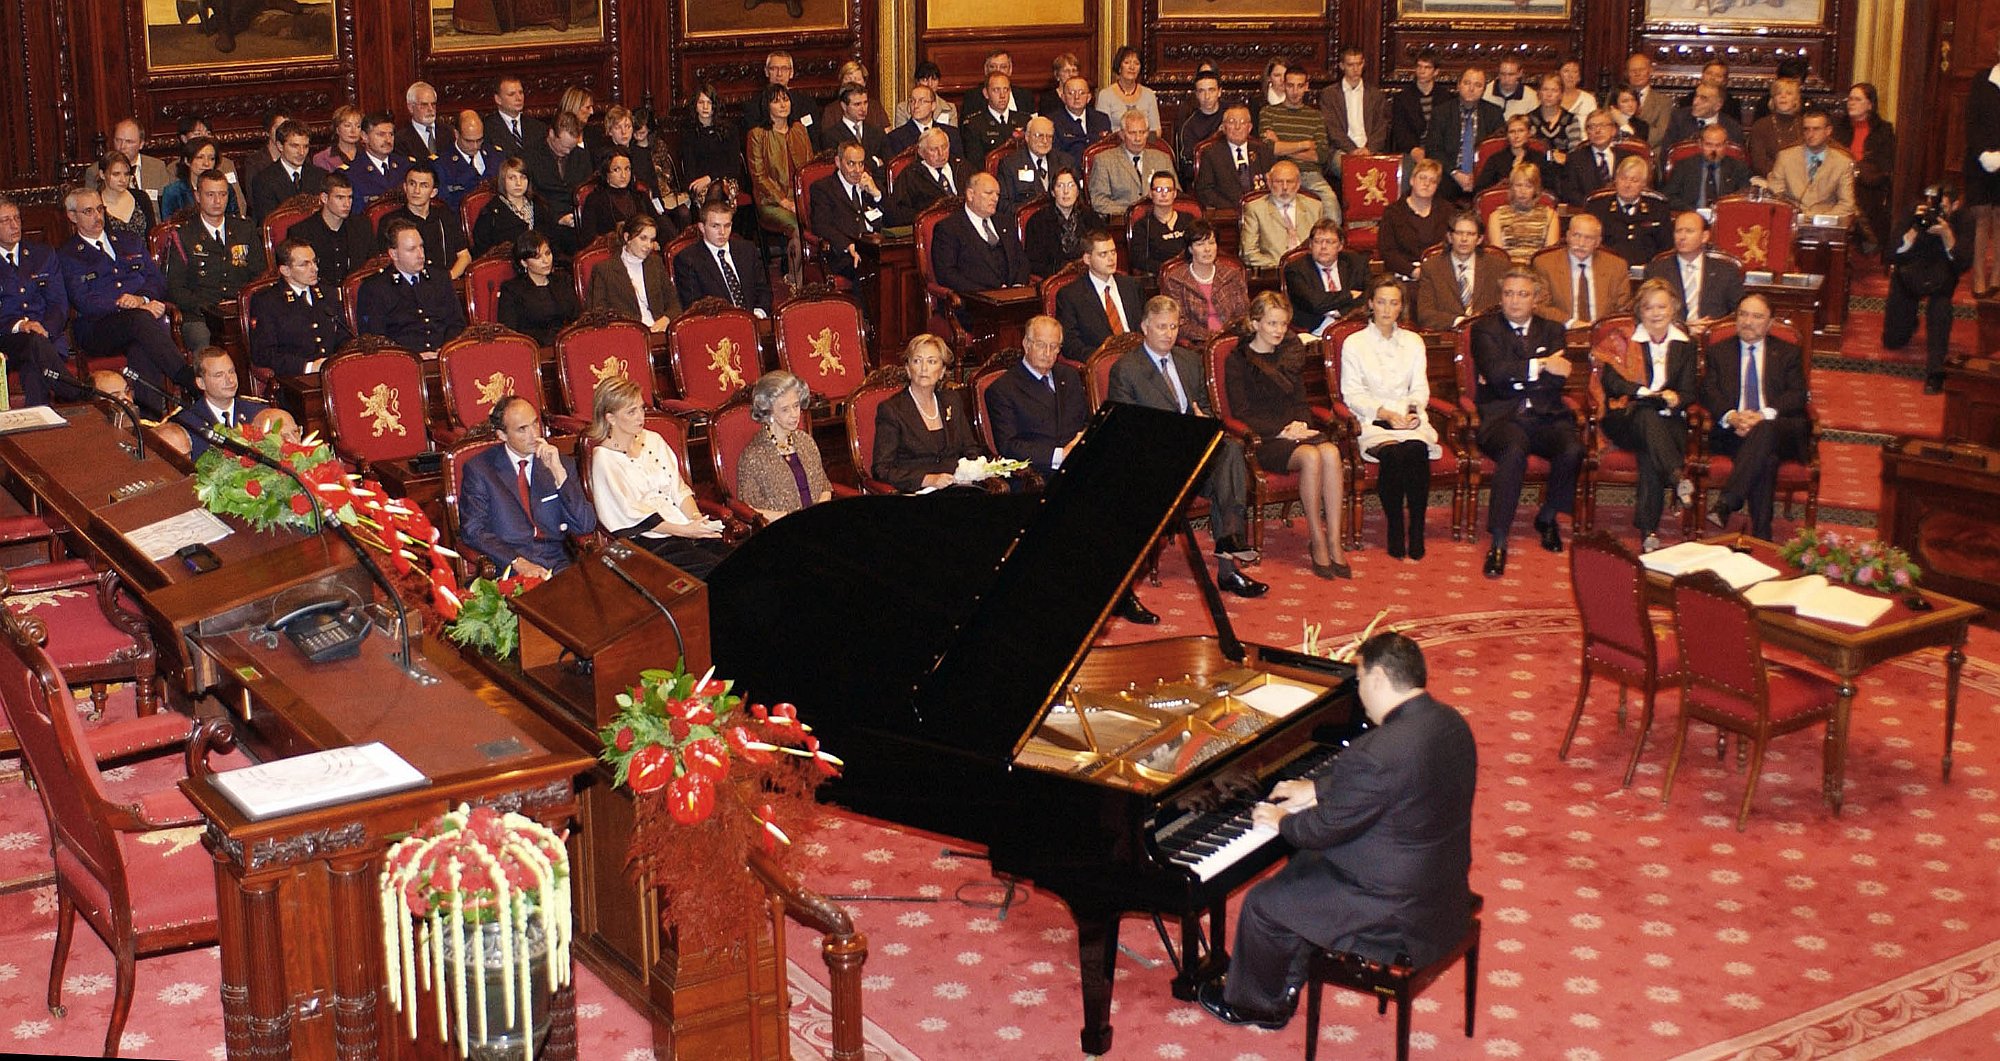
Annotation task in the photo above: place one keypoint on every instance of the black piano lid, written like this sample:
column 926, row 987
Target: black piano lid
column 955, row 618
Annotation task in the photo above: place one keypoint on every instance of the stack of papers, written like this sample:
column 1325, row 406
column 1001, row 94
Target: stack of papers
column 1813, row 597
column 321, row 779
column 1737, row 569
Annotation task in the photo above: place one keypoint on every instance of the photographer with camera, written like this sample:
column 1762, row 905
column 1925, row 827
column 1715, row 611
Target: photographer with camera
column 1935, row 248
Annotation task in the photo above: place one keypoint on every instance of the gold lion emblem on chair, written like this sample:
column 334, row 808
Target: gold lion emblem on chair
column 494, row 387
column 826, row 347
column 384, row 406
column 723, row 360
column 1750, row 242
column 613, row 367
column 1374, row 187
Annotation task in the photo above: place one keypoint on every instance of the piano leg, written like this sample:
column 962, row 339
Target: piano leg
column 1097, row 957
column 1201, row 963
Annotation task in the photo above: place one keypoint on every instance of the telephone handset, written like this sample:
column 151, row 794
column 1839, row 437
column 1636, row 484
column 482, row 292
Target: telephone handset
column 327, row 629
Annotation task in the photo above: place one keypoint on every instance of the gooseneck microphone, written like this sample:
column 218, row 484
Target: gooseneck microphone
column 124, row 405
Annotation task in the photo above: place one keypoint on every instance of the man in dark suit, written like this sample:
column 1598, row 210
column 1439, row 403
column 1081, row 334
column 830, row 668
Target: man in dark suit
column 923, row 118
column 1078, row 124
column 1458, row 282
column 219, row 405
column 721, row 265
column 1755, row 393
column 34, row 310
column 994, row 123
column 1087, row 307
column 845, row 205
column 410, row 305
column 1019, row 100
column 556, row 169
column 469, row 162
column 1590, row 167
column 1026, row 171
column 379, row 168
column 977, row 249
column 291, row 175
column 298, row 322
column 518, row 501
column 1384, row 846
column 420, row 138
column 1327, row 281
column 341, row 240
column 854, row 126
column 1161, row 374
column 1458, row 125
column 1699, row 181
column 210, row 257
column 1709, row 284
column 934, row 175
column 119, row 297
column 1234, row 166
column 1522, row 369
column 1705, row 110
column 510, row 128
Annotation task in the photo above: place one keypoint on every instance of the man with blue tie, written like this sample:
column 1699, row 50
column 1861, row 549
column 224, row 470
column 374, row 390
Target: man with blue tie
column 1755, row 391
column 1160, row 374
column 379, row 168
column 34, row 311
column 517, row 501
column 1522, row 370
column 120, row 299
column 410, row 305
column 1696, row 183
column 220, row 405
column 1813, row 172
column 1457, row 126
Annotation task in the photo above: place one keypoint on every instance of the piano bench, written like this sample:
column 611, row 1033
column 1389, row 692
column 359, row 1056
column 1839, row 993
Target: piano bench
column 1393, row 980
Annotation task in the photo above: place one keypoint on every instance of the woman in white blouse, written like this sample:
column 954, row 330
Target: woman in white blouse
column 636, row 485
column 1382, row 381
column 1645, row 380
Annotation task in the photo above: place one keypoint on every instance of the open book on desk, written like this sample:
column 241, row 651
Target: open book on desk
column 1737, row 569
column 1813, row 597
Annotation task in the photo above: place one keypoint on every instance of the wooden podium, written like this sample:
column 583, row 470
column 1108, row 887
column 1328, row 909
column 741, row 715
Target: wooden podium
column 1941, row 504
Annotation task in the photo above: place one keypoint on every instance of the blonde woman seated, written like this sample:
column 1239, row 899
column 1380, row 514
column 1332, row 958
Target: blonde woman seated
column 1265, row 380
column 1523, row 224
column 923, row 430
column 1649, row 376
column 636, row 486
column 779, row 471
column 1383, row 383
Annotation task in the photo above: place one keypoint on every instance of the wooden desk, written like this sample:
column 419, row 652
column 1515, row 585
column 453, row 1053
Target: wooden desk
column 1848, row 651
column 1824, row 251
column 1941, row 504
column 893, row 295
column 1972, row 399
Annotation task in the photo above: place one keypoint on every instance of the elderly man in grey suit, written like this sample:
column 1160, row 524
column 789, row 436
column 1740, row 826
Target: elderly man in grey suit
column 1119, row 177
column 1161, row 374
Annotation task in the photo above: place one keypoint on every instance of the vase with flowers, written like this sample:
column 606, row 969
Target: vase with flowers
column 476, row 911
column 1842, row 558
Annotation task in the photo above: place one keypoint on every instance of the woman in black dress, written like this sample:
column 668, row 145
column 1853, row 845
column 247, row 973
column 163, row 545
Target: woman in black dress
column 515, row 210
column 1161, row 234
column 923, row 430
column 1497, row 168
column 540, row 300
column 1265, row 380
column 712, row 152
column 1055, row 233
column 615, row 199
column 1415, row 223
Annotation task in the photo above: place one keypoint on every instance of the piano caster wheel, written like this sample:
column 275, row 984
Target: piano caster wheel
column 1096, row 1044
column 59, row 1011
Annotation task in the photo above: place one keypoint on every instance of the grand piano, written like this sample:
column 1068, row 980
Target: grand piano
column 946, row 647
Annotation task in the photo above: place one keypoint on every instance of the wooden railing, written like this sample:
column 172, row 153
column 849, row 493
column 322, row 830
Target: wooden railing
column 844, row 949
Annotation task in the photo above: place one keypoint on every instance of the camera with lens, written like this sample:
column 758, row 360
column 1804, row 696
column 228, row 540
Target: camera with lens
column 1929, row 210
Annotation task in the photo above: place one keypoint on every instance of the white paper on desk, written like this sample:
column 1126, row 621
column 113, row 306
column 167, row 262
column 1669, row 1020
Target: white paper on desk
column 1737, row 569
column 196, row 526
column 320, row 779
column 31, row 418
column 1741, row 569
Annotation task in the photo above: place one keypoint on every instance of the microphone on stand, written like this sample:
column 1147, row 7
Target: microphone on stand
column 124, row 405
column 216, row 437
column 168, row 402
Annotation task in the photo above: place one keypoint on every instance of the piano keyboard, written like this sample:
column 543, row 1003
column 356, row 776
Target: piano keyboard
column 1207, row 844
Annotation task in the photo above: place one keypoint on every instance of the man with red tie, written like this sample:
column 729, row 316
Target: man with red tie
column 1327, row 282
column 1099, row 305
column 519, row 500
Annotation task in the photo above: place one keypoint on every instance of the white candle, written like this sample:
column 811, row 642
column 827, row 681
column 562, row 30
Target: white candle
column 458, row 948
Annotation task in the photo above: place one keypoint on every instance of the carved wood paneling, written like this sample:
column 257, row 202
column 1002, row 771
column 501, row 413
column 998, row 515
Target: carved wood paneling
column 735, row 64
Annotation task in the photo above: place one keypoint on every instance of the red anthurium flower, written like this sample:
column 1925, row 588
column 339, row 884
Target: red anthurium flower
column 300, row 504
column 246, row 462
column 691, row 798
column 678, row 728
column 650, row 768
column 741, row 741
column 253, row 433
column 785, row 712
column 759, row 712
column 623, row 739
column 707, row 756
column 697, row 712
column 444, row 601
column 254, row 488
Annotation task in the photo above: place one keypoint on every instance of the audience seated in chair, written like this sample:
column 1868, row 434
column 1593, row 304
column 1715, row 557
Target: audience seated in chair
column 976, row 249
column 341, row 238
column 1027, row 172
column 298, row 322
column 779, row 471
column 1521, row 369
column 1414, row 223
column 722, row 265
column 1055, row 231
column 1119, row 177
column 1461, row 280
column 408, row 302
column 1263, row 381
column 519, row 501
column 1211, row 291
column 846, row 206
column 540, row 300
column 1234, row 165
column 1273, row 224
column 1099, row 305
column 1648, row 380
column 1707, row 282
column 119, row 299
column 1815, row 172
column 34, row 307
column 1638, row 222
column 1755, row 394
column 444, row 236
column 1699, row 181
column 209, row 258
column 922, row 431
column 637, row 486
column 1159, row 235
column 219, row 404
column 1327, row 281
column 1385, row 384
column 1526, row 223
column 634, row 283
column 1585, row 282
column 292, row 174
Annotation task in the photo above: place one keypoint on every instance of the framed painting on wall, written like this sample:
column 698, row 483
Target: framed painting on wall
column 201, row 35
column 727, row 18
column 480, row 25
column 1733, row 14
column 1483, row 10
column 1223, row 10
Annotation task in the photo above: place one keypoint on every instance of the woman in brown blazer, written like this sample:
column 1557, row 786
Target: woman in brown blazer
column 1211, row 292
column 776, row 150
column 611, row 284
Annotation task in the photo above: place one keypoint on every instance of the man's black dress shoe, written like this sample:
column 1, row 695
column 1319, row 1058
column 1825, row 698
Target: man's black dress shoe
column 1496, row 562
column 1130, row 610
column 1209, row 994
column 1242, row 585
column 1552, row 538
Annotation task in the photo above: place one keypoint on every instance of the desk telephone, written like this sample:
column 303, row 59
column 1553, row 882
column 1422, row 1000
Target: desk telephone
column 323, row 630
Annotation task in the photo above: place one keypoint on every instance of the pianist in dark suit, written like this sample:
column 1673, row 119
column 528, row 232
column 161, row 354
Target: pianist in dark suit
column 494, row 519
column 922, row 431
column 1384, row 839
column 219, row 404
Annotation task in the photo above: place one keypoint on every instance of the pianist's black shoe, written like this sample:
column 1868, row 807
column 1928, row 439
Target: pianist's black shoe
column 1241, row 584
column 1209, row 994
column 1130, row 610
column 1496, row 562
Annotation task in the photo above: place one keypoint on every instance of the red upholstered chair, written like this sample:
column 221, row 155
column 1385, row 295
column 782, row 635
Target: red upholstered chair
column 1362, row 475
column 994, row 157
column 1687, row 149
column 729, row 431
column 1183, row 203
column 482, row 284
column 1266, row 484
column 471, row 565
column 1097, row 367
column 595, row 347
column 1711, row 470
column 1485, row 149
column 1478, row 466
column 1604, row 462
column 473, row 202
column 1053, row 284
column 350, row 289
column 278, row 223
column 940, row 302
column 812, row 247
column 881, row 385
column 1490, row 200
column 262, row 380
column 989, row 374
column 1635, row 146
column 382, row 206
column 823, row 340
column 375, row 402
column 901, row 161
column 480, row 366
column 104, row 845
column 1727, row 682
column 1618, row 638
column 1026, row 212
column 600, row 251
column 1102, row 144
column 712, row 352
column 1757, row 230
column 94, row 638
column 1368, row 184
